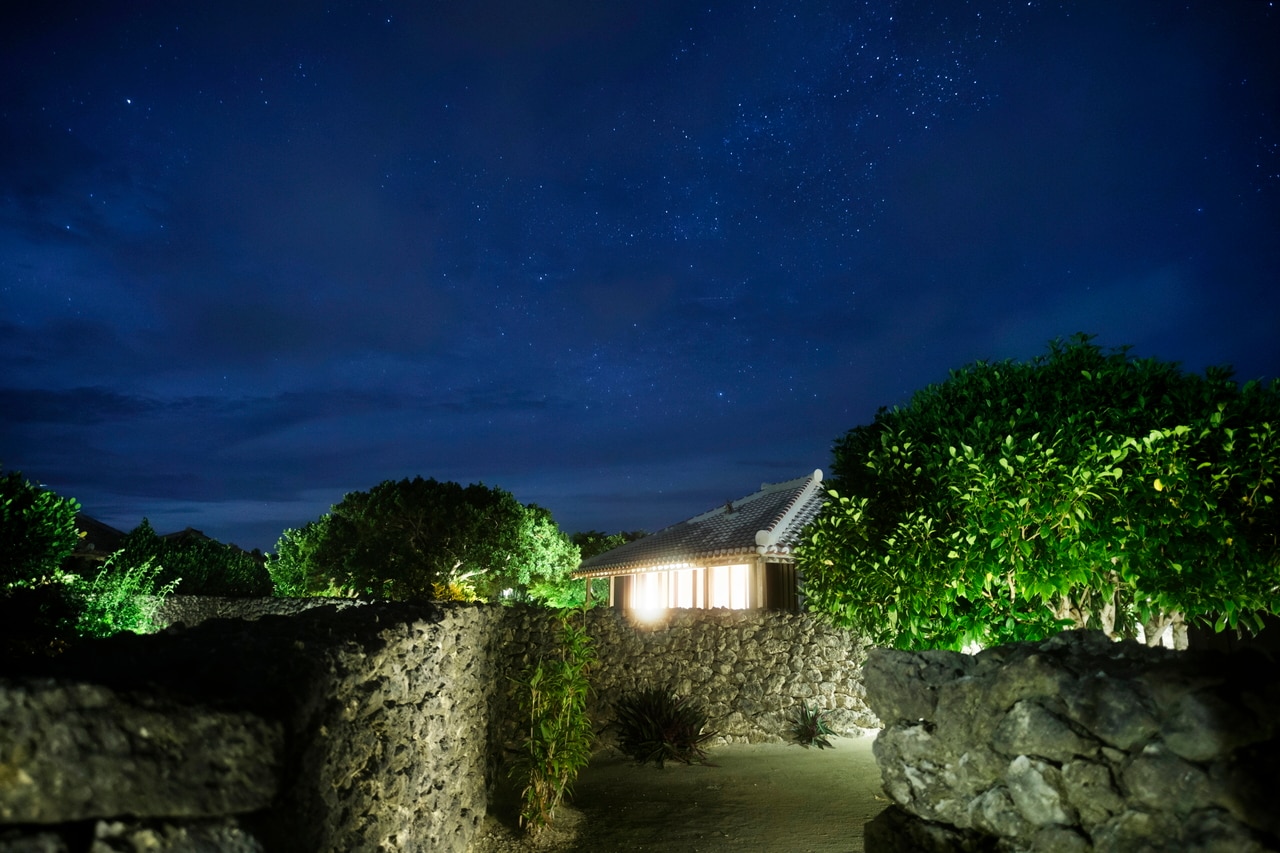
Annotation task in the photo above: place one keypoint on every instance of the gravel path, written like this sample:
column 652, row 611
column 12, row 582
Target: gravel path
column 754, row 798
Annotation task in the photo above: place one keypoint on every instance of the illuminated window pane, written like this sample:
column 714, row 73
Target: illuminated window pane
column 730, row 587
column 649, row 593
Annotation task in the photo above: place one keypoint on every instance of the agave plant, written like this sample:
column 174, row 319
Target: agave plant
column 810, row 729
column 659, row 725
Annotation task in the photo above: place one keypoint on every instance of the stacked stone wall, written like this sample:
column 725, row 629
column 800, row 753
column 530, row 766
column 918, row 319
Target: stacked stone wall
column 365, row 729
column 338, row 728
column 194, row 609
column 750, row 669
column 1077, row 744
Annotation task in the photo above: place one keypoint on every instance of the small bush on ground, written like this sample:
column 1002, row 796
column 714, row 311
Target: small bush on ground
column 558, row 743
column 809, row 727
column 117, row 600
column 659, row 725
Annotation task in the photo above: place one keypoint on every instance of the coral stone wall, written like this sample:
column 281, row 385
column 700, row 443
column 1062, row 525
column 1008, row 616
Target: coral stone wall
column 751, row 668
column 365, row 729
column 194, row 609
column 1079, row 744
column 338, row 728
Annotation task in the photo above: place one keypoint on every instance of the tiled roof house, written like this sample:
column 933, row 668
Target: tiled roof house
column 738, row 555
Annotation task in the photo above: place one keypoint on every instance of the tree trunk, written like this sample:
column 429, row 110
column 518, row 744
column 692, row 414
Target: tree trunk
column 1179, row 631
column 1153, row 628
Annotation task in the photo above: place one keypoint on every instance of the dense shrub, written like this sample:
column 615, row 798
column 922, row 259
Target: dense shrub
column 37, row 531
column 659, row 725
column 1084, row 488
column 193, row 564
column 117, row 600
column 418, row 539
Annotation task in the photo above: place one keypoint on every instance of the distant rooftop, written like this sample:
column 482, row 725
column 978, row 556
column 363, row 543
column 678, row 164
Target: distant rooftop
column 765, row 523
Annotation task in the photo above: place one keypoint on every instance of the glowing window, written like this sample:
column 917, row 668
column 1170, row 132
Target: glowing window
column 730, row 586
column 649, row 593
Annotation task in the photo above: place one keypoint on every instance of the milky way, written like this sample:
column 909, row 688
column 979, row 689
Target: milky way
column 625, row 260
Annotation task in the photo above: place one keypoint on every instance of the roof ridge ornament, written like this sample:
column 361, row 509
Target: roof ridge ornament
column 766, row 539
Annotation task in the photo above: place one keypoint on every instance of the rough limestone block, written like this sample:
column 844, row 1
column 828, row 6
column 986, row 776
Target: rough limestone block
column 1161, row 781
column 1133, row 831
column 43, row 841
column 1203, row 726
column 1037, row 790
column 1247, row 784
column 1028, row 674
column 224, row 836
column 903, row 686
column 1060, row 839
column 73, row 751
column 995, row 813
column 1030, row 729
column 1114, row 710
column 1213, row 829
column 1091, row 792
column 1126, row 747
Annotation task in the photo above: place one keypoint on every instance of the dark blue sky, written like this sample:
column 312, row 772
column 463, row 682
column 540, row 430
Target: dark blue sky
column 626, row 260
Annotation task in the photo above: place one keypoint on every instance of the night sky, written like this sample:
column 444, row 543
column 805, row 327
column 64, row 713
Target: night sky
column 626, row 260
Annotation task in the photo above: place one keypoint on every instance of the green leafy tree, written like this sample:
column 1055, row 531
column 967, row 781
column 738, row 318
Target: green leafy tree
column 42, row 607
column 544, row 573
column 593, row 542
column 38, row 613
column 37, row 531
column 289, row 565
column 1083, row 488
column 193, row 564
column 422, row 539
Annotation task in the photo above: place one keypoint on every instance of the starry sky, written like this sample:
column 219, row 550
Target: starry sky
column 625, row 260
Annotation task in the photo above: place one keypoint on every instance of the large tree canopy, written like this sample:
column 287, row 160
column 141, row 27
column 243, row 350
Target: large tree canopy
column 421, row 539
column 1084, row 487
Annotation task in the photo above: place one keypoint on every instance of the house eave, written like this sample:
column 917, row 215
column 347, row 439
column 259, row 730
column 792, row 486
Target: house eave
column 694, row 561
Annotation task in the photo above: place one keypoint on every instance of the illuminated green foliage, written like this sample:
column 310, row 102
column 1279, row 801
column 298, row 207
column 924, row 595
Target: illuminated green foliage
column 408, row 539
column 1083, row 488
column 42, row 607
column 37, row 531
column 117, row 600
column 553, row 705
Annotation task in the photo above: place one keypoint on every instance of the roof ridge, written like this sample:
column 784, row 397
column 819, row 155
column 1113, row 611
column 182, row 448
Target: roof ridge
column 765, row 489
column 728, row 531
column 769, row 535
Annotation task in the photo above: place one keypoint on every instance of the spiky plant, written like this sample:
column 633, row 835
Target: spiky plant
column 810, row 728
column 659, row 725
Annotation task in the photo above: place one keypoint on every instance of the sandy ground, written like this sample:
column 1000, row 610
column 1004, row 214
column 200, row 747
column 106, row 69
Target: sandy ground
column 753, row 797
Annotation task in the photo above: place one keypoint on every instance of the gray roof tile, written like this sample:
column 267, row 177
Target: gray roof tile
column 766, row 523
